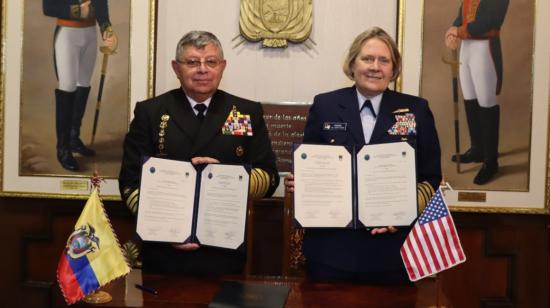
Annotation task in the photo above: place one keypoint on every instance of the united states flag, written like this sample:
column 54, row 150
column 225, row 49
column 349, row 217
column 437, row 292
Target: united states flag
column 432, row 245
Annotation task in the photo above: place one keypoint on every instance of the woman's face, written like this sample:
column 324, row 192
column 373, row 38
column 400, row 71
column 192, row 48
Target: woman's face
column 373, row 68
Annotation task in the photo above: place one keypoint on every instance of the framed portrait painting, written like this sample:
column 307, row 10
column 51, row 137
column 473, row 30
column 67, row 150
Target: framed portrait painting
column 489, row 95
column 56, row 86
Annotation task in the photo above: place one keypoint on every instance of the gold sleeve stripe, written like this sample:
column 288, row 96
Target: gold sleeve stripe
column 132, row 201
column 425, row 192
column 253, row 183
column 430, row 188
column 259, row 183
column 265, row 180
column 421, row 203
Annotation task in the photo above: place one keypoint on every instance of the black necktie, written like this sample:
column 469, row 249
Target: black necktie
column 200, row 108
column 368, row 104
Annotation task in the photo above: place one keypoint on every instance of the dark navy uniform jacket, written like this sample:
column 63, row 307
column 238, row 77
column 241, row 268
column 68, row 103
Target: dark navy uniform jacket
column 182, row 137
column 358, row 250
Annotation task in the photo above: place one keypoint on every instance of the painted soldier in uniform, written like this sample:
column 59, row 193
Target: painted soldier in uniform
column 196, row 123
column 477, row 29
column 75, row 51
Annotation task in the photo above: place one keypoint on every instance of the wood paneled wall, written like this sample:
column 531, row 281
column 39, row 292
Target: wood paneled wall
column 508, row 256
column 508, row 261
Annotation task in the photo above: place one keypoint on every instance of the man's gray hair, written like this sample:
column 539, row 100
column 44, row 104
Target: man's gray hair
column 198, row 39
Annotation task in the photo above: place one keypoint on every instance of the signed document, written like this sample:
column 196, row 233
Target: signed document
column 166, row 200
column 386, row 185
column 323, row 193
column 338, row 187
column 222, row 206
column 183, row 203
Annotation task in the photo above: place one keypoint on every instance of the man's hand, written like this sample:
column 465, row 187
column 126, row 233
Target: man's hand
column 390, row 229
column 110, row 41
column 187, row 246
column 204, row 160
column 451, row 38
column 289, row 183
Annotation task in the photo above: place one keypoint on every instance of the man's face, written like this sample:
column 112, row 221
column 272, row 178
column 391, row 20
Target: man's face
column 199, row 71
column 373, row 68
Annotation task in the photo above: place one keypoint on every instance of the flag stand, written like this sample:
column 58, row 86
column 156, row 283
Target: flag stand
column 84, row 265
column 98, row 297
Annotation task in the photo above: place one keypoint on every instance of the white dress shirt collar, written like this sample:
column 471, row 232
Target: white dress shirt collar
column 194, row 102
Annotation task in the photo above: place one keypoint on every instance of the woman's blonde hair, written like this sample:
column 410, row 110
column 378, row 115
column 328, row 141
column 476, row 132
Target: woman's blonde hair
column 355, row 48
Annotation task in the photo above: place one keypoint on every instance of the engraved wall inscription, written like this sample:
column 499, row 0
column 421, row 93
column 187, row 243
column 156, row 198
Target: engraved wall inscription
column 285, row 123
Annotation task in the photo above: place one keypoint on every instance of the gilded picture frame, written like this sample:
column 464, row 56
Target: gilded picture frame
column 423, row 24
column 29, row 166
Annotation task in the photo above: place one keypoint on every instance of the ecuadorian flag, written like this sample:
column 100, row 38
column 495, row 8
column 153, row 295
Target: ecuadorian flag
column 92, row 256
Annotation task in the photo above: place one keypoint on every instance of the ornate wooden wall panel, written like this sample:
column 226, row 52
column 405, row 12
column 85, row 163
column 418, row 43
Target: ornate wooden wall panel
column 508, row 260
column 508, row 255
column 34, row 234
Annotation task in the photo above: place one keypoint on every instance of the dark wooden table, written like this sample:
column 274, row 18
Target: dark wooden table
column 185, row 291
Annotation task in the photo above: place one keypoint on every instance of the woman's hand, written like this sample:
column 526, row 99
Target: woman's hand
column 187, row 246
column 390, row 229
column 204, row 160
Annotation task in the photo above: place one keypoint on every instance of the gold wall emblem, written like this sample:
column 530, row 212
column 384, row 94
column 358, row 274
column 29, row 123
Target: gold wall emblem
column 276, row 21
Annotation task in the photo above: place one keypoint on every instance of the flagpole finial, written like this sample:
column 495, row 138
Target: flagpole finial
column 96, row 180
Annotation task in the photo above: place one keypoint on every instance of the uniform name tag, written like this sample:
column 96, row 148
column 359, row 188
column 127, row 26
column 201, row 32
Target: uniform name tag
column 335, row 126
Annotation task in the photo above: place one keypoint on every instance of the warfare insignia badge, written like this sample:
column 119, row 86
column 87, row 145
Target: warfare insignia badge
column 82, row 242
column 276, row 21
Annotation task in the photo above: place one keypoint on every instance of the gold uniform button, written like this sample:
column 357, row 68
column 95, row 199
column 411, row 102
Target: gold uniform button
column 332, row 140
column 165, row 117
column 239, row 151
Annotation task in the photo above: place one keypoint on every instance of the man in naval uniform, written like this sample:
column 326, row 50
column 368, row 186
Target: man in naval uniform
column 196, row 123
column 477, row 29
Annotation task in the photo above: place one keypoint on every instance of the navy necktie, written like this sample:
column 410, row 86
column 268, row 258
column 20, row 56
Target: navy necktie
column 200, row 108
column 368, row 104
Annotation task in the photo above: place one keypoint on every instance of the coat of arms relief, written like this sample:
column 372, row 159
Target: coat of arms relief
column 276, row 22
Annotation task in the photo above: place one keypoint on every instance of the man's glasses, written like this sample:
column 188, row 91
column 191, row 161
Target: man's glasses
column 195, row 63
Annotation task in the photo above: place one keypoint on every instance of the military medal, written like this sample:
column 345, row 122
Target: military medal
column 405, row 124
column 237, row 124
column 162, row 132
